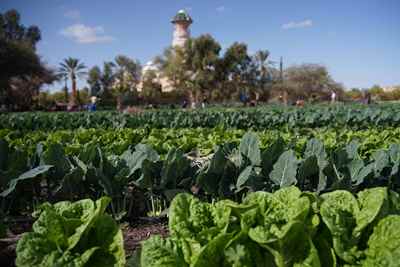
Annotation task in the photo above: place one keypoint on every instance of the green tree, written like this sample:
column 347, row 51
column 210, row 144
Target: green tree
column 107, row 81
column 19, row 61
column 151, row 88
column 376, row 91
column 172, row 66
column 262, row 59
column 354, row 94
column 202, row 56
column 311, row 81
column 127, row 77
column 94, row 80
column 127, row 74
column 74, row 69
column 238, row 64
column 12, row 30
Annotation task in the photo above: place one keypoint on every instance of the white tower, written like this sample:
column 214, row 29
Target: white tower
column 182, row 21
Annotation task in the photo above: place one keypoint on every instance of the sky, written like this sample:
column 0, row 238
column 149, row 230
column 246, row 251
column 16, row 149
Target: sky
column 358, row 40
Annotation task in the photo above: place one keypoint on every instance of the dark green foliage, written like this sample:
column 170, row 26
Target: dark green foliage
column 22, row 72
column 231, row 172
column 272, row 117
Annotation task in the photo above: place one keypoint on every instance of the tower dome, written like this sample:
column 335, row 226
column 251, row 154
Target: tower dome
column 182, row 16
column 182, row 21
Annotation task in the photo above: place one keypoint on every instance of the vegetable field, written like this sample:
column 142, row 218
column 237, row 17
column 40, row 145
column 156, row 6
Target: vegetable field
column 256, row 118
column 268, row 186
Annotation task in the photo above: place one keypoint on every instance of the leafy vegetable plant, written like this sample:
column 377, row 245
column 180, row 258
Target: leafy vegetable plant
column 75, row 234
column 285, row 228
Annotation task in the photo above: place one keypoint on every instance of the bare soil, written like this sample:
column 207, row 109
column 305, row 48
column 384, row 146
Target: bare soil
column 134, row 235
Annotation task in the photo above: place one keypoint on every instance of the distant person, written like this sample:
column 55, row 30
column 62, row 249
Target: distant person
column 204, row 103
column 333, row 97
column 92, row 106
column 367, row 98
column 185, row 104
column 300, row 103
column 243, row 98
column 283, row 98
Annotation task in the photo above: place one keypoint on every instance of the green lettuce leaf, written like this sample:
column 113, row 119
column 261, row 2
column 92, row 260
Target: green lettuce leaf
column 281, row 223
column 347, row 217
column 384, row 244
column 158, row 252
column 72, row 234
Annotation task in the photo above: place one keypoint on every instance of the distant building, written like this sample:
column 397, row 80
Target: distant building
column 390, row 88
column 182, row 22
column 181, row 34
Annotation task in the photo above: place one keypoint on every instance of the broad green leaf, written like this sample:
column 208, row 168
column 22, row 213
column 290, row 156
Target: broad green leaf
column 338, row 211
column 308, row 170
column 250, row 148
column 358, row 172
column 374, row 204
column 134, row 259
column 106, row 235
column 315, row 147
column 174, row 168
column 325, row 251
column 210, row 254
column 271, row 155
column 100, row 206
column 352, row 149
column 150, row 174
column 50, row 225
column 348, row 217
column 33, row 250
column 27, row 175
column 55, row 155
column 157, row 252
column 384, row 244
column 75, row 234
column 244, row 176
column 380, row 161
column 394, row 154
column 285, row 169
column 135, row 159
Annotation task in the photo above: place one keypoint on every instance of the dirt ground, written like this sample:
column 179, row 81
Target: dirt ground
column 134, row 235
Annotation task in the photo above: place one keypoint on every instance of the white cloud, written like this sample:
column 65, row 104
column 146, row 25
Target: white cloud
column 220, row 9
column 83, row 34
column 73, row 14
column 296, row 25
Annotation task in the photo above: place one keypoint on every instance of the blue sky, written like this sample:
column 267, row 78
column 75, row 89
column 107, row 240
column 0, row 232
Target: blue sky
column 358, row 40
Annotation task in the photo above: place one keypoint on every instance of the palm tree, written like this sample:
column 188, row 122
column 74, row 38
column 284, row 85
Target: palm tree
column 262, row 56
column 72, row 68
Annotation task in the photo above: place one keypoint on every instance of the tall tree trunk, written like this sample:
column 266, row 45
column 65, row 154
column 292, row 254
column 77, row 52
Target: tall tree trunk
column 73, row 96
column 66, row 92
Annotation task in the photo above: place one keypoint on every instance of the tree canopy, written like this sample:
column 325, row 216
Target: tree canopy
column 22, row 71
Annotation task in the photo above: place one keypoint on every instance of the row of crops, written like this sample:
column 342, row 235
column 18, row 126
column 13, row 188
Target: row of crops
column 230, row 172
column 284, row 228
column 201, row 140
column 256, row 118
column 268, row 186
